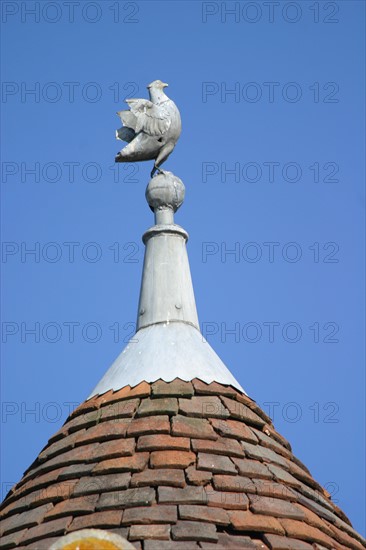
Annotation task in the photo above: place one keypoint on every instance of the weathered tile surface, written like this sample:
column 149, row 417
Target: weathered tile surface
column 180, row 466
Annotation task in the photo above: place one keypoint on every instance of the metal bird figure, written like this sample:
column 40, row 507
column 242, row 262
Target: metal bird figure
column 151, row 128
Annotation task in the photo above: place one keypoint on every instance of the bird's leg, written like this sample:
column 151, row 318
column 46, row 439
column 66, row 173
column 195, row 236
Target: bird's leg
column 156, row 169
column 163, row 155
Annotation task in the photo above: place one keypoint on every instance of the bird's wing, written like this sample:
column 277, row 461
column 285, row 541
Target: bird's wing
column 151, row 119
column 128, row 119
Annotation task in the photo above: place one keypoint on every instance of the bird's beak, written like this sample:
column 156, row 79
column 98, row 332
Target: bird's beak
column 165, row 84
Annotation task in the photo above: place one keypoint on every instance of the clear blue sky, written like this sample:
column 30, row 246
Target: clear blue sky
column 292, row 209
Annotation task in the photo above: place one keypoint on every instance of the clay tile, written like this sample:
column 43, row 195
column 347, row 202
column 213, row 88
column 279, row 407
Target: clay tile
column 149, row 532
column 192, row 427
column 194, row 531
column 203, row 407
column 150, row 514
column 176, row 388
column 201, row 388
column 97, row 520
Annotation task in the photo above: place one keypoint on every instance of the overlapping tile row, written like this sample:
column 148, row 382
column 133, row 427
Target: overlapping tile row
column 176, row 465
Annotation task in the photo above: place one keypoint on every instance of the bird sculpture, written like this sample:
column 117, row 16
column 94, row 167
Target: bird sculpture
column 151, row 128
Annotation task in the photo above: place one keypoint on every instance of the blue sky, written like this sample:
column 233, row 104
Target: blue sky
column 271, row 154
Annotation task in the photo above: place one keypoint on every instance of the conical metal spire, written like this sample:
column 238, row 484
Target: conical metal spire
column 166, row 290
column 168, row 343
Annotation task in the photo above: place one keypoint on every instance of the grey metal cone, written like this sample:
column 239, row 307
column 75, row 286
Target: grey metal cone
column 168, row 343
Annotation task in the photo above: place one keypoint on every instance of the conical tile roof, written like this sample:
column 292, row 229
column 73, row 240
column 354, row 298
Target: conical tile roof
column 175, row 465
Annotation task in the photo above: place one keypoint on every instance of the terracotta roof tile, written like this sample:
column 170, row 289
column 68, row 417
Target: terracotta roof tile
column 253, row 468
column 269, row 430
column 302, row 474
column 187, row 495
column 136, row 463
column 59, row 446
column 73, row 506
column 29, row 518
column 201, row 388
column 104, row 398
column 239, row 484
column 271, row 443
column 158, row 442
column 43, row 544
column 147, row 532
column 217, row 464
column 246, row 521
column 317, row 508
column 161, row 476
column 33, row 483
column 204, row 513
column 56, row 527
column 114, row 449
column 98, row 520
column 303, row 531
column 197, row 477
column 100, row 484
column 314, row 520
column 165, row 465
column 176, row 388
column 149, row 514
column 170, row 545
column 276, row 507
column 115, row 500
column 141, row 390
column 192, row 427
column 316, row 496
column 172, row 459
column 276, row 542
column 88, row 406
column 75, row 471
column 203, row 407
column 345, row 538
column 62, row 432
column 264, row 454
column 194, row 530
column 12, row 540
column 283, row 476
column 235, row 429
column 228, row 500
column 349, row 529
column 253, row 406
column 152, row 407
column 149, row 425
column 222, row 446
column 83, row 421
column 231, row 542
column 74, row 456
column 268, row 488
column 118, row 409
column 104, row 431
column 242, row 412
column 14, row 507
column 52, row 493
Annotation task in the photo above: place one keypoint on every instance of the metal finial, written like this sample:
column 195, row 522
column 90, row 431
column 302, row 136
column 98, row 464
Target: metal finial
column 168, row 342
column 165, row 194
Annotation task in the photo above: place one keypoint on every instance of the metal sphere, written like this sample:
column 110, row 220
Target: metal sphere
column 165, row 191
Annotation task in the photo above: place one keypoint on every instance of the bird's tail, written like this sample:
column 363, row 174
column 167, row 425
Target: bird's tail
column 125, row 134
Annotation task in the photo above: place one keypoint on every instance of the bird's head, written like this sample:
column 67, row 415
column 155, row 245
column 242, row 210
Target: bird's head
column 157, row 84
